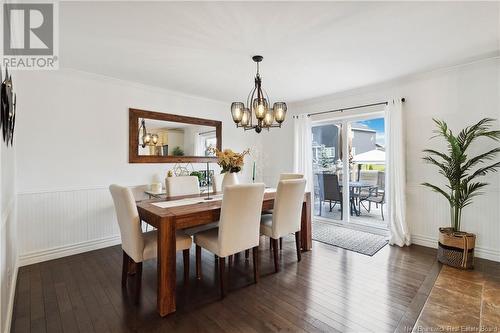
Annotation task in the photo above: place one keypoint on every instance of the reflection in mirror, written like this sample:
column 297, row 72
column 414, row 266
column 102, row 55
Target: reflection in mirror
column 166, row 138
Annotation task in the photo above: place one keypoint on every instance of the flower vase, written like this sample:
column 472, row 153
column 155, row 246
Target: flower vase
column 230, row 178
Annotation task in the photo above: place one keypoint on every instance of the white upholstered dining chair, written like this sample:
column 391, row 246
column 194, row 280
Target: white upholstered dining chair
column 238, row 228
column 182, row 185
column 286, row 175
column 286, row 215
column 216, row 181
column 136, row 245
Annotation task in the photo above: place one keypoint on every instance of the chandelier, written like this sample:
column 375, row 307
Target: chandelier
column 148, row 139
column 258, row 105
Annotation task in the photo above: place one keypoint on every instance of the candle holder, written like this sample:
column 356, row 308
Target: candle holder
column 208, row 198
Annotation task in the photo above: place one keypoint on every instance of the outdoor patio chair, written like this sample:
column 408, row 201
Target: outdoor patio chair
column 378, row 199
column 329, row 191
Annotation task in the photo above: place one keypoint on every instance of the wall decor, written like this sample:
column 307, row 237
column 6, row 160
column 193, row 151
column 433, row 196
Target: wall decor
column 8, row 108
column 156, row 137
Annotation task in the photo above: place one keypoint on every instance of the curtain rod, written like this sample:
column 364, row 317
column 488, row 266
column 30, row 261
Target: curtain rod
column 352, row 108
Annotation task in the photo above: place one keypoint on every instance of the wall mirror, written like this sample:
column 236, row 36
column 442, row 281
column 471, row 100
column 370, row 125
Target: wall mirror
column 156, row 137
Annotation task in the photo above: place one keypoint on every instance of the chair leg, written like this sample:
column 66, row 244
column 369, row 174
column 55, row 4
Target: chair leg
column 274, row 242
column 138, row 282
column 222, row 269
column 131, row 267
column 198, row 262
column 255, row 257
column 247, row 254
column 382, row 211
column 341, row 211
column 297, row 245
column 281, row 243
column 185, row 258
column 126, row 259
column 320, row 208
column 230, row 261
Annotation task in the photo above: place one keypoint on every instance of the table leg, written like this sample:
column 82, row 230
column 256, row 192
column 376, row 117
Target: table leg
column 305, row 224
column 166, row 267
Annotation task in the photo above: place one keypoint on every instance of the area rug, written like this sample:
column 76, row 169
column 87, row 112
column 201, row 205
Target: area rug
column 349, row 239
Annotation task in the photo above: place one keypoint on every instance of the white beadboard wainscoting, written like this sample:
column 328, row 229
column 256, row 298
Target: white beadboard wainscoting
column 58, row 223
column 427, row 211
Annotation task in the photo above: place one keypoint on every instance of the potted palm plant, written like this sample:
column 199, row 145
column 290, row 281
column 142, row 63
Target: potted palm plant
column 462, row 172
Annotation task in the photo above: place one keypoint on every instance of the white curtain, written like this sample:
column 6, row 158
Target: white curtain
column 302, row 150
column 396, row 179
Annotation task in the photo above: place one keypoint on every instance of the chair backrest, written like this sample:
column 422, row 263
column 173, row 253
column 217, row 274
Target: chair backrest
column 182, row 185
column 285, row 176
column 128, row 221
column 381, row 181
column 216, row 181
column 329, row 187
column 139, row 192
column 369, row 177
column 287, row 210
column 239, row 224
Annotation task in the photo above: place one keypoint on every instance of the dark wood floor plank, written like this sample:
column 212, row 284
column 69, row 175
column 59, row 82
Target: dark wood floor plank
column 82, row 317
column 330, row 290
column 21, row 321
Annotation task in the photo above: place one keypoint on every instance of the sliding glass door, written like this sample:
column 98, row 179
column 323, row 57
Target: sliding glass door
column 349, row 168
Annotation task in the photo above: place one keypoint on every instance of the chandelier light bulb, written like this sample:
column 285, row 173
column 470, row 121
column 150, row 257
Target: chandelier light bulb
column 279, row 111
column 237, row 111
column 146, row 139
column 154, row 139
column 260, row 108
column 268, row 118
column 245, row 118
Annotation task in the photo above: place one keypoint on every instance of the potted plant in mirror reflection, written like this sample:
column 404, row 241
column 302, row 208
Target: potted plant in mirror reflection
column 231, row 163
column 178, row 151
column 463, row 174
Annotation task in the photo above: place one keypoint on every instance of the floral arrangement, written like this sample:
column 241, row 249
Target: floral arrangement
column 230, row 161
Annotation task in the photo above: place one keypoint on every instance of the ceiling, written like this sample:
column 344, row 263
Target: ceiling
column 309, row 49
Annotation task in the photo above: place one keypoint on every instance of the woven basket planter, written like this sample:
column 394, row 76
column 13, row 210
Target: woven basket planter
column 456, row 249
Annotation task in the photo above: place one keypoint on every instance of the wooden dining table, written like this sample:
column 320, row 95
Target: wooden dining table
column 168, row 220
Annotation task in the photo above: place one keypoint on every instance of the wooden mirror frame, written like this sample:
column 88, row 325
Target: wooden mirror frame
column 133, row 136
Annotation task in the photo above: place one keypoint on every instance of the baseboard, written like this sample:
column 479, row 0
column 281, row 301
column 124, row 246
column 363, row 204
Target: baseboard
column 67, row 250
column 12, row 294
column 480, row 252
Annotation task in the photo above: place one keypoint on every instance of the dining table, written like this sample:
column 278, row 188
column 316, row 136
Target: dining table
column 169, row 214
column 355, row 188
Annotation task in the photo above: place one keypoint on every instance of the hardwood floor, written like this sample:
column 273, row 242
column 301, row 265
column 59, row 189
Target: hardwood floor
column 330, row 290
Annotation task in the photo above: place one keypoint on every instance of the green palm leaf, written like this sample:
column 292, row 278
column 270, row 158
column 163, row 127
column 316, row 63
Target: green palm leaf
column 458, row 168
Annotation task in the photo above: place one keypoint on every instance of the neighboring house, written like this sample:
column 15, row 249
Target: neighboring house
column 325, row 141
column 364, row 139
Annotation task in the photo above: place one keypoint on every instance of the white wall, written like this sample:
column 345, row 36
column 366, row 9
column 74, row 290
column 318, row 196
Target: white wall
column 460, row 95
column 8, row 235
column 72, row 143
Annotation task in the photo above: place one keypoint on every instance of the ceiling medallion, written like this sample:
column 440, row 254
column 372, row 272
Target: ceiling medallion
column 258, row 106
